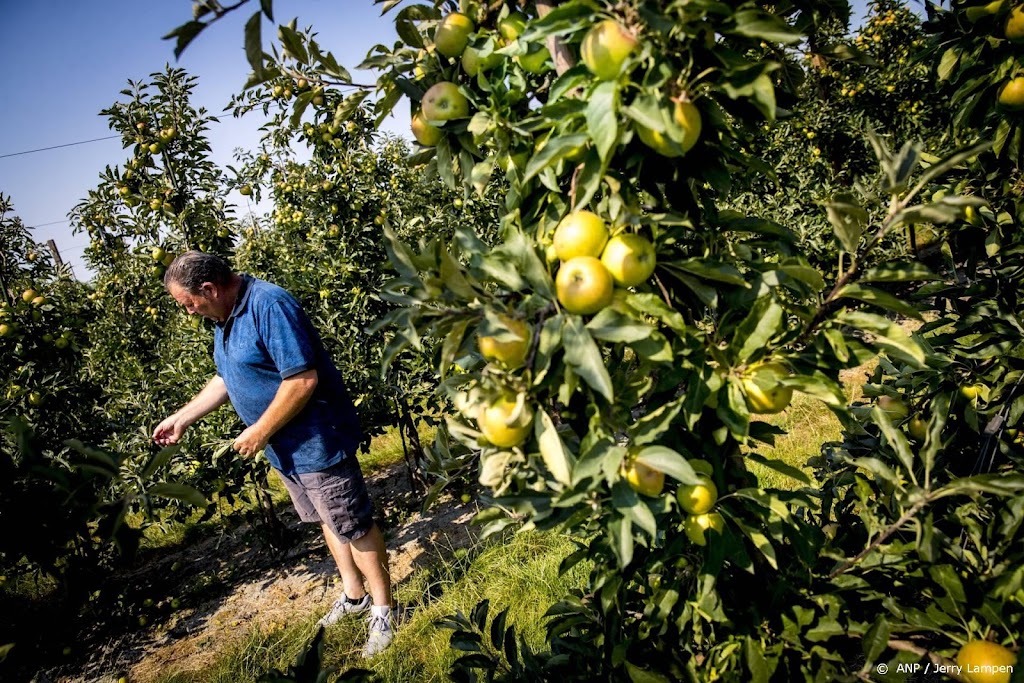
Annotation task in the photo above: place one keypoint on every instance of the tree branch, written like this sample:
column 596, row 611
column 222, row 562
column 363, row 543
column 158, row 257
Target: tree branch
column 881, row 538
column 948, row 665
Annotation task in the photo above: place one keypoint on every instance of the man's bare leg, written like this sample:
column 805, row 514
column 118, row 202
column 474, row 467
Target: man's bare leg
column 351, row 577
column 371, row 558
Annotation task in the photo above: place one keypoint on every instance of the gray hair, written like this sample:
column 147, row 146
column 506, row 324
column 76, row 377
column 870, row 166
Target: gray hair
column 191, row 269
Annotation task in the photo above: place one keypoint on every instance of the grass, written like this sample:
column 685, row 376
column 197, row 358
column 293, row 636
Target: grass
column 519, row 572
column 808, row 424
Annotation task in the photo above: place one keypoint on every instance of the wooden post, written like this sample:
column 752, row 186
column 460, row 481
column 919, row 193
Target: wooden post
column 56, row 254
column 560, row 54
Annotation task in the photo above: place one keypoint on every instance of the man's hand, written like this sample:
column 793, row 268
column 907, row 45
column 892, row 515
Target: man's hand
column 169, row 431
column 250, row 442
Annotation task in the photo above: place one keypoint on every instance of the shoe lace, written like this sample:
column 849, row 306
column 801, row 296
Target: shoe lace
column 379, row 624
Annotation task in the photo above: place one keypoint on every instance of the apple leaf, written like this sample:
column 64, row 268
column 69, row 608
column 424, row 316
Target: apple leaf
column 733, row 410
column 877, row 297
column 758, row 24
column 647, row 111
column 399, row 254
column 898, row 272
column 760, row 542
column 554, row 149
column 583, row 356
column 158, row 461
column 621, row 531
column 887, row 335
column 556, row 456
column 614, row 326
column 589, row 180
column 710, row 270
column 896, row 439
column 757, row 664
column 181, row 492
column 638, row 675
column 185, row 34
column 819, row 387
column 670, row 462
column 603, row 117
column 762, row 323
column 848, row 220
column 450, row 346
column 805, row 274
column 254, row 45
column 293, row 43
column 651, row 426
column 445, row 164
column 549, row 342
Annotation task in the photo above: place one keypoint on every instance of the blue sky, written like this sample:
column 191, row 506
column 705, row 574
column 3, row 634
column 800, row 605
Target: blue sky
column 65, row 60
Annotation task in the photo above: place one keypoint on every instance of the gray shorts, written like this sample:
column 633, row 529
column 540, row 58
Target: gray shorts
column 336, row 497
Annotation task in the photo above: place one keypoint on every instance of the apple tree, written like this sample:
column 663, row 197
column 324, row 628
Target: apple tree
column 610, row 355
column 323, row 241
column 165, row 198
column 59, row 519
column 953, row 424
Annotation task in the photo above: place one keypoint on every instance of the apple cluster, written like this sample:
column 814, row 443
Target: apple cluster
column 592, row 262
column 605, row 50
column 1011, row 93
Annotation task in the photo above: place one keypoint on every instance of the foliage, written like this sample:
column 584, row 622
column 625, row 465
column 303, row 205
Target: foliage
column 661, row 376
column 323, row 242
column 792, row 229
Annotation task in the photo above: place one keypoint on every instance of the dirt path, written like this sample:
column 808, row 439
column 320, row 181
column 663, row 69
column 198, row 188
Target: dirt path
column 231, row 586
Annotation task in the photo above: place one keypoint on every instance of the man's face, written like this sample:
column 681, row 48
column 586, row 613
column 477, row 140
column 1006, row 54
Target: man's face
column 208, row 302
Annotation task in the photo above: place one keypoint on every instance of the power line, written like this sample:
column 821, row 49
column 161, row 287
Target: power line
column 43, row 225
column 69, row 144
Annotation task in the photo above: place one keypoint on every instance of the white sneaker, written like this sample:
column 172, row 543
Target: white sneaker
column 382, row 631
column 343, row 607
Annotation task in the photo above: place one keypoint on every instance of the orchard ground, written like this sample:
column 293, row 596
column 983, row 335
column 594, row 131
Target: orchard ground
column 224, row 607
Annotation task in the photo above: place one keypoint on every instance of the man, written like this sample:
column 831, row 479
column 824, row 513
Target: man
column 273, row 368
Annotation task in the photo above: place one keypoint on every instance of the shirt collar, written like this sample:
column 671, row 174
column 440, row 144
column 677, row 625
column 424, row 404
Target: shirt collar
column 241, row 299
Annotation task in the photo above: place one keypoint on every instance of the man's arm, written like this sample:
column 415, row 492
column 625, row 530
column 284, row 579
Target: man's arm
column 290, row 399
column 211, row 397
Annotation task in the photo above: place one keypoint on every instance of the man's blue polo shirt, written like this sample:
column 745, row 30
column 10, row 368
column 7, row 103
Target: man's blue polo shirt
column 269, row 338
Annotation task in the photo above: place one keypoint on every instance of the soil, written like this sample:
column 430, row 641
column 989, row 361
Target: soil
column 230, row 583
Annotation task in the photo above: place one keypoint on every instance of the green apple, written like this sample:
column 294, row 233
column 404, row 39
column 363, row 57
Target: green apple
column 893, row 407
column 696, row 526
column 917, row 427
column 581, row 233
column 512, row 26
column 473, row 62
column 605, row 49
column 425, row 133
column 762, row 388
column 444, row 102
column 687, row 116
column 537, row 61
column 629, row 258
column 584, row 286
column 452, row 34
column 697, row 499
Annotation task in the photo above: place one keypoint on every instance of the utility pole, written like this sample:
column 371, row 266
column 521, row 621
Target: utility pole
column 56, row 254
column 57, row 260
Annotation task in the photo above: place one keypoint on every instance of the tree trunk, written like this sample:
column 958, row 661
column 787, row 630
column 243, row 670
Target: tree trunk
column 412, row 449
